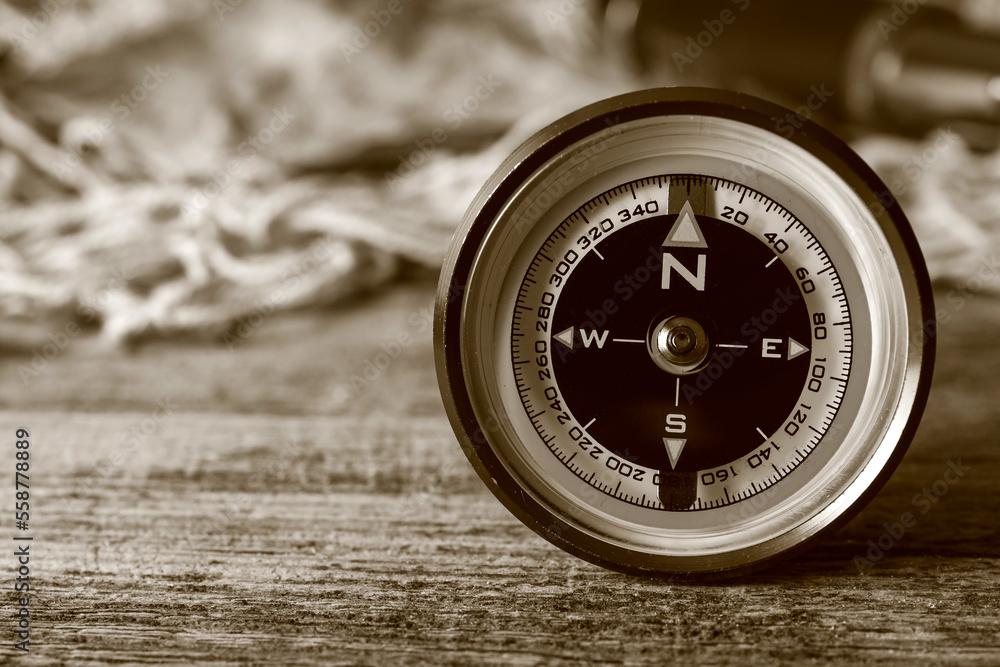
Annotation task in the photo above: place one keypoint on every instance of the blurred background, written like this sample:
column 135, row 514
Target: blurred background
column 221, row 223
column 169, row 168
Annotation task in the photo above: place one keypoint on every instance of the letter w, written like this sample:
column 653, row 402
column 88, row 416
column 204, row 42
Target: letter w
column 591, row 336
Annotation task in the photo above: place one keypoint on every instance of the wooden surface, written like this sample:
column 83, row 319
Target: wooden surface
column 369, row 540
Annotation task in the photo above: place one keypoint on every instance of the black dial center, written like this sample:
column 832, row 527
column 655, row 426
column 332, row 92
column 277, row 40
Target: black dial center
column 711, row 354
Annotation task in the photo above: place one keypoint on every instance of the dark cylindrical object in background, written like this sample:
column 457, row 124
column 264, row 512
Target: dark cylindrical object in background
column 905, row 67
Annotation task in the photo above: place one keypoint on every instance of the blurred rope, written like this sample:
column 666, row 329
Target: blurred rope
column 100, row 224
column 151, row 230
column 951, row 196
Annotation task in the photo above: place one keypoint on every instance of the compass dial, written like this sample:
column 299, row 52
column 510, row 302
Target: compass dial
column 673, row 341
column 688, row 350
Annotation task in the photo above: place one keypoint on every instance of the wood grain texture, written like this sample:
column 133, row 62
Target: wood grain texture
column 279, row 515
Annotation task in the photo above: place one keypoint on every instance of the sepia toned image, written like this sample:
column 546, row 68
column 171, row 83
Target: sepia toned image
column 511, row 333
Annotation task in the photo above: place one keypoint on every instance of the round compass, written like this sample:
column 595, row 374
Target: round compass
column 674, row 340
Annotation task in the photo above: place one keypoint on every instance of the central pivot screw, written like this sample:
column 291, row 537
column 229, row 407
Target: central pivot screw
column 678, row 345
column 681, row 340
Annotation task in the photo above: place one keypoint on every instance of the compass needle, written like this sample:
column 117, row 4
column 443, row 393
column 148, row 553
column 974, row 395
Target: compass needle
column 650, row 406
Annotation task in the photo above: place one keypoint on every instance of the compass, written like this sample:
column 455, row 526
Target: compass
column 674, row 340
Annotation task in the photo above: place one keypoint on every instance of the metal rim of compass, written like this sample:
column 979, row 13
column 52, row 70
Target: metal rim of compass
column 476, row 434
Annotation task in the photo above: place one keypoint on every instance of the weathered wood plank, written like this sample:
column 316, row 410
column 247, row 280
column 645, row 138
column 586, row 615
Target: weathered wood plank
column 369, row 540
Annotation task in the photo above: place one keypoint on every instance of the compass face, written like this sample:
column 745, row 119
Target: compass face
column 682, row 343
column 674, row 342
